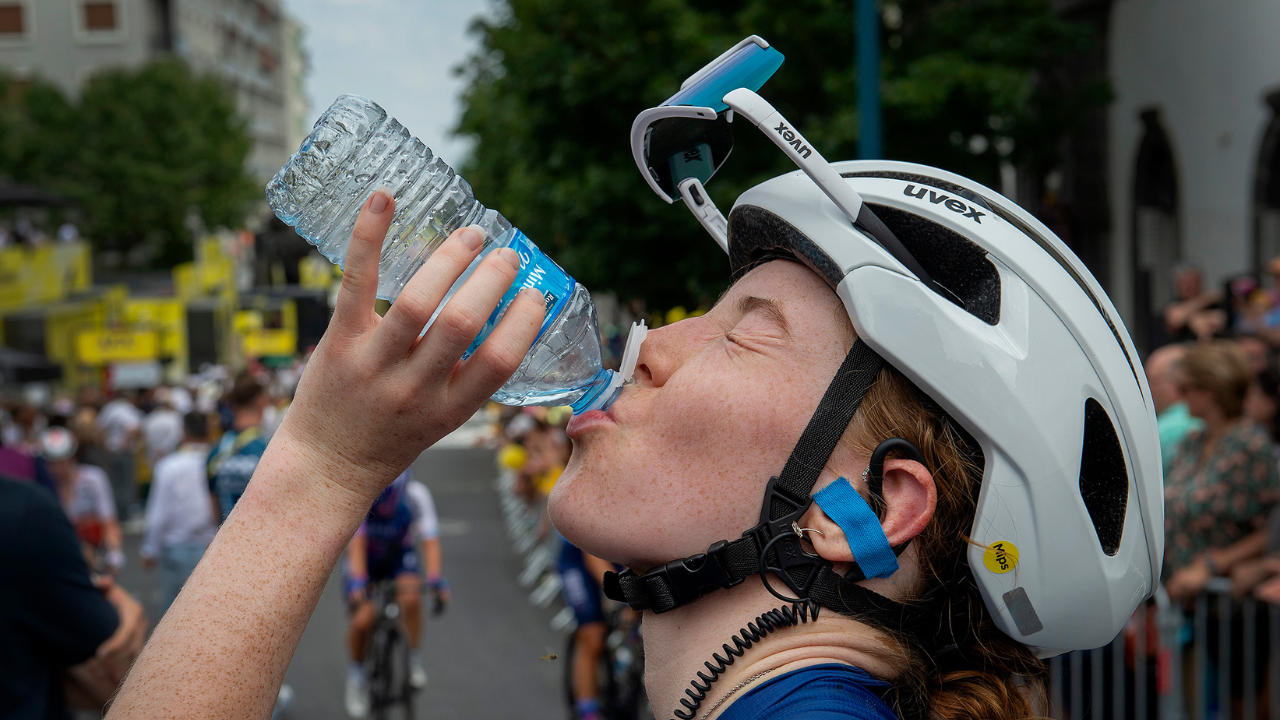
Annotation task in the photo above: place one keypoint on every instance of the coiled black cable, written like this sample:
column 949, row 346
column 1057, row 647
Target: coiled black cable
column 771, row 621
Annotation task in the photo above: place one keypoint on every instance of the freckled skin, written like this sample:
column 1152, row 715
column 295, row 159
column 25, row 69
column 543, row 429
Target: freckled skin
column 718, row 404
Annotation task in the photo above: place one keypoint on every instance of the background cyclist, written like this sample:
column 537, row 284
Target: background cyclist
column 383, row 549
column 582, row 576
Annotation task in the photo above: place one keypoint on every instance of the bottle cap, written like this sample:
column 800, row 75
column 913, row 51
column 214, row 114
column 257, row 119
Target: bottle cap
column 630, row 354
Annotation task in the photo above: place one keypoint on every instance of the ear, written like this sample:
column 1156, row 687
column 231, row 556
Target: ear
column 911, row 499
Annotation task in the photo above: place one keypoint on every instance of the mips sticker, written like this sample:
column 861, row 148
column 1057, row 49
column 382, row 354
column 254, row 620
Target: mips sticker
column 1000, row 557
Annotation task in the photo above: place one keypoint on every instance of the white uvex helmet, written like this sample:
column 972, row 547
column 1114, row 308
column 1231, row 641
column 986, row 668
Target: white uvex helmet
column 1024, row 350
column 987, row 312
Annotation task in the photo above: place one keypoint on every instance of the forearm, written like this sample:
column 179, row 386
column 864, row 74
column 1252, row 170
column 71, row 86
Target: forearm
column 111, row 535
column 156, row 515
column 247, row 603
column 432, row 558
column 1251, row 546
column 358, row 558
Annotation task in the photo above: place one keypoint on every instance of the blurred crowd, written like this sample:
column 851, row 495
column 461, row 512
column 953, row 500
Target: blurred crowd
column 1216, row 388
column 79, row 473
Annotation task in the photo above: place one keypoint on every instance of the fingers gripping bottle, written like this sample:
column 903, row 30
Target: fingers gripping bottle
column 353, row 149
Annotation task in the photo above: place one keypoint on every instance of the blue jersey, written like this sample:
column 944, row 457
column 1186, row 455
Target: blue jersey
column 820, row 692
column 388, row 538
column 231, row 464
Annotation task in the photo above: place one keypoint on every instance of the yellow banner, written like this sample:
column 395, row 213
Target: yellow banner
column 260, row 343
column 42, row 275
column 99, row 347
column 166, row 316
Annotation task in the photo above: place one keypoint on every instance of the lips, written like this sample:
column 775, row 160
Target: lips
column 581, row 424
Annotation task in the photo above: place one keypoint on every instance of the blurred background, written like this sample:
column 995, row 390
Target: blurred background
column 141, row 267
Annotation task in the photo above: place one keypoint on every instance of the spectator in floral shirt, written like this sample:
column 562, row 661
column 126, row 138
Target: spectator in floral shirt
column 1224, row 480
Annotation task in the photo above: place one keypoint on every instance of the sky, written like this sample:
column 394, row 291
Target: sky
column 398, row 53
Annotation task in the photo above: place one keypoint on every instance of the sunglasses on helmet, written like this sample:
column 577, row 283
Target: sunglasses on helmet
column 680, row 144
column 675, row 141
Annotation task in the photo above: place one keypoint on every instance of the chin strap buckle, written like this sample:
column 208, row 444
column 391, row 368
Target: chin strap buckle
column 677, row 583
column 692, row 577
column 779, row 542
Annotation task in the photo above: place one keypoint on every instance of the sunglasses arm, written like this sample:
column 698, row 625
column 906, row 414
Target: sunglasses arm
column 777, row 128
column 760, row 113
column 704, row 209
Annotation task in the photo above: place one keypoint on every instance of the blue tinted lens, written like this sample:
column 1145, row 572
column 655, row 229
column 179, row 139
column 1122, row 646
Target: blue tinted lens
column 749, row 67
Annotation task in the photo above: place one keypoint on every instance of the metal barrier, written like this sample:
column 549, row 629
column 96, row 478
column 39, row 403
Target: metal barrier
column 1214, row 663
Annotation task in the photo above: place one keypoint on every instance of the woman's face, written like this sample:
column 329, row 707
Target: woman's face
column 682, row 458
column 1200, row 403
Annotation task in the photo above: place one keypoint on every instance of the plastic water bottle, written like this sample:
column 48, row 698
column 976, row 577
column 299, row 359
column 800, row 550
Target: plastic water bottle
column 353, row 149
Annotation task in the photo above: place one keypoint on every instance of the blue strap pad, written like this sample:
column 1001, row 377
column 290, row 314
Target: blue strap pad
column 861, row 528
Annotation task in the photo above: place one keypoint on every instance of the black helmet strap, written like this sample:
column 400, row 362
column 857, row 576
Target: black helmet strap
column 773, row 545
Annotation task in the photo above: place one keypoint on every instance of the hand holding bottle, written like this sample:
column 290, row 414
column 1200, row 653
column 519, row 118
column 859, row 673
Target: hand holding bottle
column 374, row 394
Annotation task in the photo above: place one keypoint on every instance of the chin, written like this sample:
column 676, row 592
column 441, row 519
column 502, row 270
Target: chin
column 580, row 521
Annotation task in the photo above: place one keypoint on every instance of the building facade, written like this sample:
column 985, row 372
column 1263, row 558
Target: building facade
column 1194, row 143
column 251, row 45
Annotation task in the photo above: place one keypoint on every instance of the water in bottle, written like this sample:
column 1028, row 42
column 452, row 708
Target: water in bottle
column 353, row 149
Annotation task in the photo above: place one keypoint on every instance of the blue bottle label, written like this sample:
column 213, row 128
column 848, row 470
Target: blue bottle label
column 536, row 271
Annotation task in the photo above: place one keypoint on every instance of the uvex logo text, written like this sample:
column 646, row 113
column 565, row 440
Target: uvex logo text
column 947, row 201
column 793, row 139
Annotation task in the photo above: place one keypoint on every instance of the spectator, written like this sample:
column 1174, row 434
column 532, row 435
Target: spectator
column 180, row 521
column 1224, row 478
column 233, row 461
column 1164, row 375
column 162, row 427
column 85, row 495
column 120, row 422
column 52, row 618
column 1262, row 404
column 22, row 432
column 1194, row 314
column 180, row 399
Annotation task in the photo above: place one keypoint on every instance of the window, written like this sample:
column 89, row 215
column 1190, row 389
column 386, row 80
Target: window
column 100, row 16
column 12, row 20
column 1156, row 248
column 266, row 61
column 99, row 22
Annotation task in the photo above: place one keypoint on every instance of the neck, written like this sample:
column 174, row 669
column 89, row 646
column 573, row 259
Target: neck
column 679, row 642
column 245, row 419
column 1216, row 425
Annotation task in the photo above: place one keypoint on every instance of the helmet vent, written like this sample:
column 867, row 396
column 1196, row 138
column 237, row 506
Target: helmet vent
column 1104, row 478
column 757, row 236
column 954, row 261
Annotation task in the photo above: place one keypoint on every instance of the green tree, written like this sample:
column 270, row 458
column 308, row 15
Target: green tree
column 552, row 93
column 150, row 154
column 37, row 132
column 157, row 146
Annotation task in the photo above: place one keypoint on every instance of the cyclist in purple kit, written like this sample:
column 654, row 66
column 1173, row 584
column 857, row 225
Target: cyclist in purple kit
column 383, row 548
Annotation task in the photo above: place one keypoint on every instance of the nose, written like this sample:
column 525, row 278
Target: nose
column 663, row 351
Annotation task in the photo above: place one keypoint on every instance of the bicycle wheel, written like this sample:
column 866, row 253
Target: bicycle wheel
column 624, row 654
column 389, row 689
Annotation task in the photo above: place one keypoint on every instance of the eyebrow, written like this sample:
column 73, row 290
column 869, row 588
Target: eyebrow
column 751, row 303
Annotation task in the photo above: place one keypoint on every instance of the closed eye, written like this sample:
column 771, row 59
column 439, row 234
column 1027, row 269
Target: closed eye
column 766, row 308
